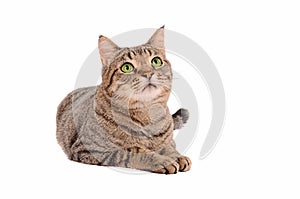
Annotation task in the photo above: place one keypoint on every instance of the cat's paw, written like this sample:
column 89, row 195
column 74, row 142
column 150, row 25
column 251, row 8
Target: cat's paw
column 180, row 117
column 172, row 168
column 184, row 163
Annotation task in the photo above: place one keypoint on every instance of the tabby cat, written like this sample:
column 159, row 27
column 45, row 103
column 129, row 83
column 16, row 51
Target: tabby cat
column 125, row 121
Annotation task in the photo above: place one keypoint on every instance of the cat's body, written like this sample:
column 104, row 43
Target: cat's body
column 125, row 121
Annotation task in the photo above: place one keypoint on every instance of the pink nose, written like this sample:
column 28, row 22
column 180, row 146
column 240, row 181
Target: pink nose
column 148, row 74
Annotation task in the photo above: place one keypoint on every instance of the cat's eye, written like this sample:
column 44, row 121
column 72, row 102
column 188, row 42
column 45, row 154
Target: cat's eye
column 156, row 62
column 127, row 67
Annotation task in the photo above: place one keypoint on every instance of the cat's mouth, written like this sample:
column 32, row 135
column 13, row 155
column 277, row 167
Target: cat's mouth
column 149, row 87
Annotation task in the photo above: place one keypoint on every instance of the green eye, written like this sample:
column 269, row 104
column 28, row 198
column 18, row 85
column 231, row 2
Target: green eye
column 127, row 68
column 156, row 62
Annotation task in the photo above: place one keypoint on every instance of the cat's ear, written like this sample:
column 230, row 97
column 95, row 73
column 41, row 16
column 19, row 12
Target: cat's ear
column 107, row 50
column 157, row 40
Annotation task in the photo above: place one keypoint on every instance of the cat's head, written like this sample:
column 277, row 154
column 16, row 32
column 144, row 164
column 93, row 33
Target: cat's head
column 140, row 73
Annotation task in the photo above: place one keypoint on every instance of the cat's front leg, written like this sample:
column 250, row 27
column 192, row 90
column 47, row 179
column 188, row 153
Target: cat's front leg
column 149, row 161
column 171, row 167
column 135, row 159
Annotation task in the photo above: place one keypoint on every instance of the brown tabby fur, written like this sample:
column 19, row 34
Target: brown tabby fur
column 125, row 122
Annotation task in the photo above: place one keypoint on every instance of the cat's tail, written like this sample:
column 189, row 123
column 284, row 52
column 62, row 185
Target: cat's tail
column 180, row 118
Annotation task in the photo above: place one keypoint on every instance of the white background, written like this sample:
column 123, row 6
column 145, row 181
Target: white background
column 255, row 46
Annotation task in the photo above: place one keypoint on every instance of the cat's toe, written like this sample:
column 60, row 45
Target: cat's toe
column 172, row 168
column 184, row 163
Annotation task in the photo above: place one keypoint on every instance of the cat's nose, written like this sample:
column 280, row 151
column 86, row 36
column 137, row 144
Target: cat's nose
column 147, row 74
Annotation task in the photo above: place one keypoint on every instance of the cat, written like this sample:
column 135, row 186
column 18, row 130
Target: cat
column 125, row 121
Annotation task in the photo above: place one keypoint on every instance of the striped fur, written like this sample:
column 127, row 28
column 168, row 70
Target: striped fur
column 124, row 121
